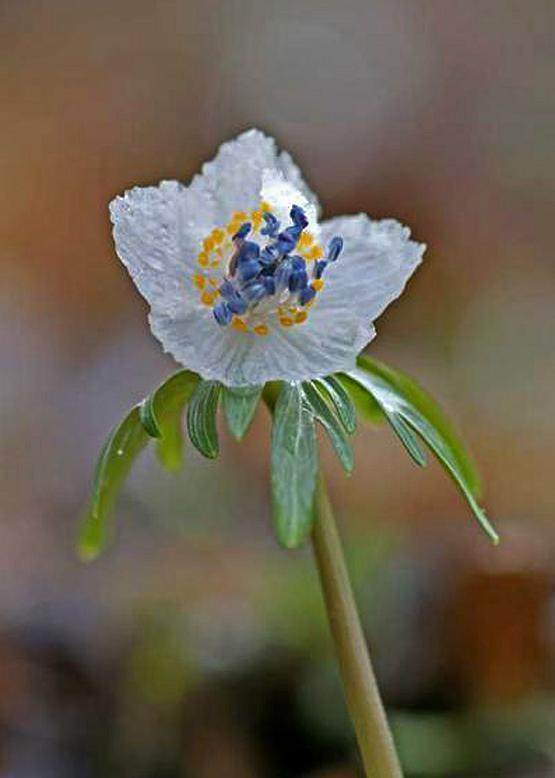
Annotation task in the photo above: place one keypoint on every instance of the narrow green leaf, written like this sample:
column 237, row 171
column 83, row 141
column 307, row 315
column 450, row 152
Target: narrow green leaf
column 407, row 438
column 201, row 418
column 429, row 409
column 341, row 400
column 121, row 449
column 294, row 466
column 240, row 404
column 161, row 416
column 316, row 398
column 364, row 402
column 398, row 395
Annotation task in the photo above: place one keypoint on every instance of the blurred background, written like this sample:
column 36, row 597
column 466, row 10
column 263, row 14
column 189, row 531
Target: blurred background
column 195, row 646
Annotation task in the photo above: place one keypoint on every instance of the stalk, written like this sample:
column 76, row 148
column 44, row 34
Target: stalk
column 363, row 698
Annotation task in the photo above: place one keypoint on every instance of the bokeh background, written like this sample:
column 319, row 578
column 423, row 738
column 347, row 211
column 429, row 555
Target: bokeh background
column 196, row 647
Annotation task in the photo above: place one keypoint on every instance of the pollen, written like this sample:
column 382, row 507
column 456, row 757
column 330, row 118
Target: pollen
column 232, row 227
column 316, row 252
column 318, row 285
column 208, row 244
column 239, row 216
column 261, row 329
column 217, row 235
column 208, row 298
column 305, row 240
column 300, row 317
column 203, row 259
column 264, row 206
column 285, row 321
column 256, row 219
column 199, row 281
column 239, row 324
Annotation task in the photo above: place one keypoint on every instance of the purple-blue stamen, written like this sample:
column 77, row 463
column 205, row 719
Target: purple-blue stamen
column 298, row 217
column 272, row 225
column 335, row 247
column 306, row 295
column 243, row 231
column 222, row 313
column 319, row 268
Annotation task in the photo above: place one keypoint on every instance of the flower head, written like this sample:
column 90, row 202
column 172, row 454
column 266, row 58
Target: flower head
column 244, row 284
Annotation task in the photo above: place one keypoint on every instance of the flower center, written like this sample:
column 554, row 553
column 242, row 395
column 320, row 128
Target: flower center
column 254, row 275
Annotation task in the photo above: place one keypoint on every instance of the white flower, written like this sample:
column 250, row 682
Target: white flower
column 244, row 285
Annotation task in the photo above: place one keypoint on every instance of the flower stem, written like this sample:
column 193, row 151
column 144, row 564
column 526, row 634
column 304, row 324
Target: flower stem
column 363, row 698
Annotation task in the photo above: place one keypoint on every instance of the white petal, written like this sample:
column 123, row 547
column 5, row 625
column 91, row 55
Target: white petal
column 157, row 234
column 377, row 260
column 240, row 358
column 234, row 176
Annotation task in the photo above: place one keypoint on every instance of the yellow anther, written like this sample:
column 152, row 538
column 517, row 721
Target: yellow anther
column 213, row 282
column 305, row 239
column 203, row 259
column 257, row 219
column 261, row 329
column 232, row 227
column 318, row 284
column 207, row 298
column 264, row 206
column 208, row 244
column 239, row 324
column 215, row 263
column 199, row 280
column 217, row 235
column 300, row 317
column 316, row 252
column 239, row 216
column 285, row 321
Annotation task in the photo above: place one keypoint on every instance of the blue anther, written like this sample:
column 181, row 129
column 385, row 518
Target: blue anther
column 269, row 285
column 298, row 280
column 319, row 268
column 222, row 313
column 255, row 292
column 272, row 225
column 287, row 240
column 283, row 271
column 306, row 295
column 237, row 305
column 335, row 247
column 249, row 250
column 298, row 216
column 243, row 231
column 269, row 254
column 248, row 269
column 298, row 263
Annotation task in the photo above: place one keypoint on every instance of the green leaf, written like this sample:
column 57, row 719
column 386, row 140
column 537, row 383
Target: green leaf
column 407, row 438
column 201, row 418
column 121, row 449
column 341, row 400
column 294, row 466
column 399, row 396
column 161, row 416
column 240, row 404
column 434, row 415
column 317, row 400
column 365, row 405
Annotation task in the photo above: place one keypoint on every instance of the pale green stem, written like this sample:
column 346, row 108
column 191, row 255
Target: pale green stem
column 363, row 698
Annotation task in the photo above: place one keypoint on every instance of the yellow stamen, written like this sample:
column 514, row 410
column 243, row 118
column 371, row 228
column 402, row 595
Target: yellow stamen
column 213, row 282
column 239, row 216
column 207, row 298
column 305, row 239
column 239, row 324
column 217, row 235
column 264, row 206
column 285, row 321
column 318, row 284
column 300, row 317
column 232, row 227
column 215, row 263
column 257, row 219
column 199, row 280
column 261, row 329
column 203, row 259
column 316, row 252
column 208, row 244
